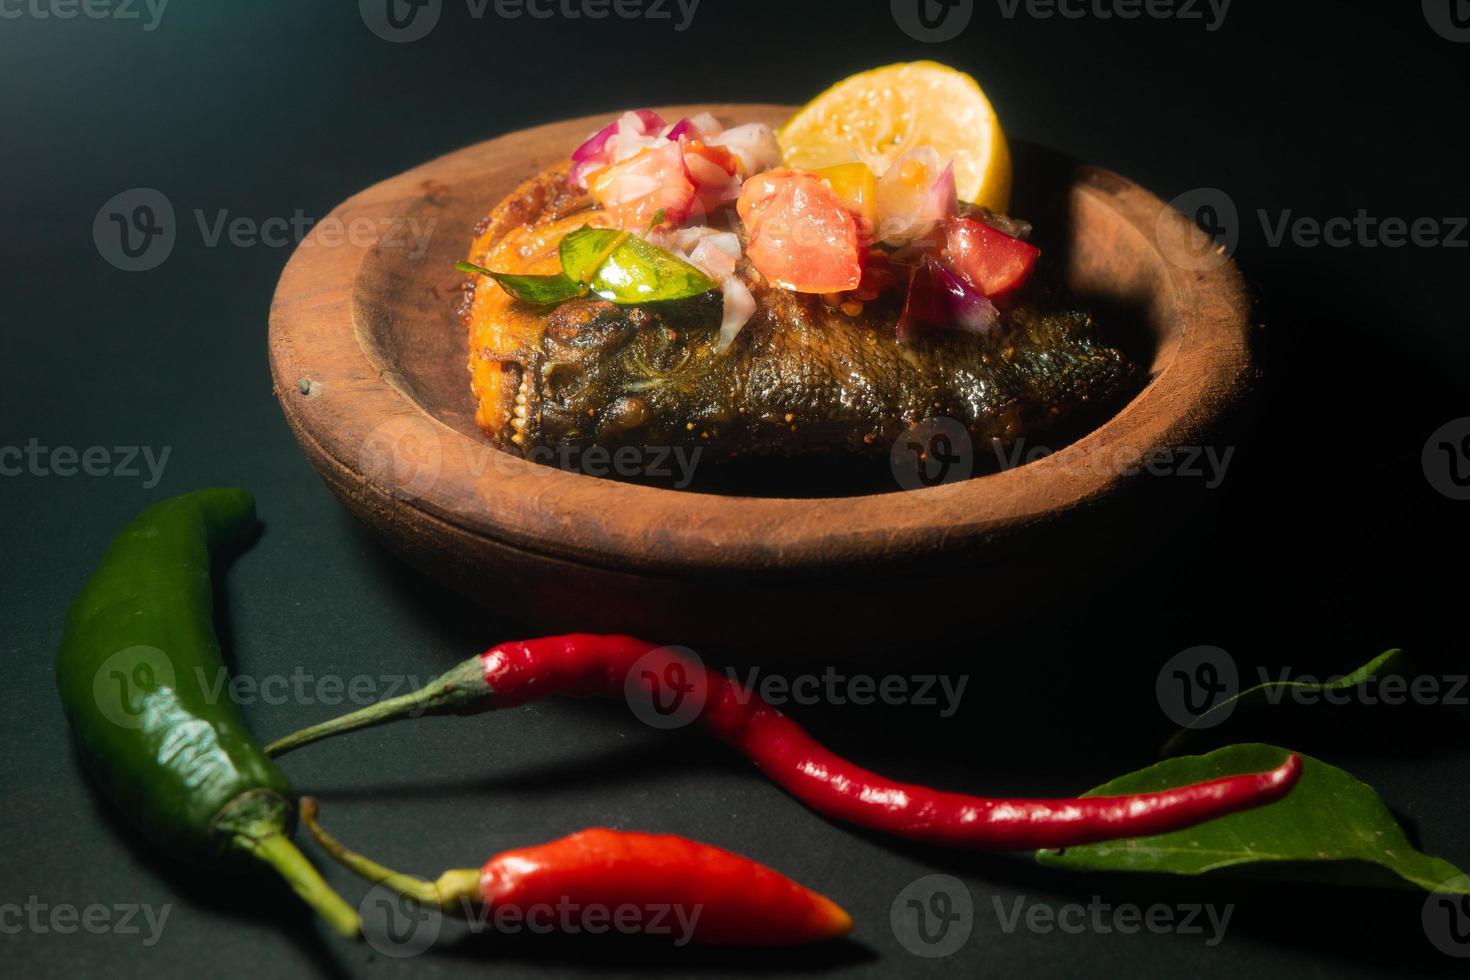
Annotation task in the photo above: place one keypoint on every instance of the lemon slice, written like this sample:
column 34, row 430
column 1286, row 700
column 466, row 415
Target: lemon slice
column 874, row 116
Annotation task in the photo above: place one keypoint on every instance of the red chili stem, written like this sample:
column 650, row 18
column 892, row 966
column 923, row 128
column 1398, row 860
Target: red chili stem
column 589, row 665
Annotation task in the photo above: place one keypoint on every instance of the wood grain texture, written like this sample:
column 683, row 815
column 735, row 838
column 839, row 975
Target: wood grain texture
column 368, row 361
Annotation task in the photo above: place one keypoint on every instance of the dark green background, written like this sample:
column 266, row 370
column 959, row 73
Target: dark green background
column 1325, row 546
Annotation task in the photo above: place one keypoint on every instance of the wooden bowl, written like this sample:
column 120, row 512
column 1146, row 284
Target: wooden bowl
column 369, row 364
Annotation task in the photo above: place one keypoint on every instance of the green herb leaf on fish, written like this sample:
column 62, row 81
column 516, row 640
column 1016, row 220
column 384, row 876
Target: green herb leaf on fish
column 538, row 290
column 626, row 269
column 1330, row 828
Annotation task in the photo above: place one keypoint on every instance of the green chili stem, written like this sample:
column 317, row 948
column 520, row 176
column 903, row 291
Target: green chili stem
column 277, row 851
column 461, row 689
column 374, row 714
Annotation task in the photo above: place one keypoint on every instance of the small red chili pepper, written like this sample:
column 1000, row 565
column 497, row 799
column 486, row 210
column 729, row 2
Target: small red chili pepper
column 697, row 892
column 588, row 665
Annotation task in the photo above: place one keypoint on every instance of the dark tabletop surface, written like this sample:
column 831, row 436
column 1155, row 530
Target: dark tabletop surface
column 1326, row 544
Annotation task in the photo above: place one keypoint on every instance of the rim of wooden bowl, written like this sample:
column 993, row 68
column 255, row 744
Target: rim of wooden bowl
column 354, row 417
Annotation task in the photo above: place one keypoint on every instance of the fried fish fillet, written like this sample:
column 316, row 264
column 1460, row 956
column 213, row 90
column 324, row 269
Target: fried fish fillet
column 801, row 379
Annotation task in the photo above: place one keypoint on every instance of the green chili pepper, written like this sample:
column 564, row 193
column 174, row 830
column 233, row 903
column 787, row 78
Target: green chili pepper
column 141, row 680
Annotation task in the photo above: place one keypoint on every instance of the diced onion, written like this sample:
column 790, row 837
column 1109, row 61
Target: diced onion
column 616, row 141
column 716, row 261
column 939, row 300
column 913, row 195
column 753, row 143
column 739, row 308
column 707, row 125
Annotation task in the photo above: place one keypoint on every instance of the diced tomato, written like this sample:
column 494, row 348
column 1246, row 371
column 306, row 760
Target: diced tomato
column 991, row 261
column 634, row 190
column 756, row 197
column 801, row 237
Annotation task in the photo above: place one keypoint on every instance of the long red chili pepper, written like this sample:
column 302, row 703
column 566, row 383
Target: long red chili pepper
column 588, row 665
column 698, row 892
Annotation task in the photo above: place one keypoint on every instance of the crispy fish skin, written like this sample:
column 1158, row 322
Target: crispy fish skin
column 801, row 379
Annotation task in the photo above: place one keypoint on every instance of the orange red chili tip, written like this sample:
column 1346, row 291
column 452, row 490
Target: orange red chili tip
column 659, row 884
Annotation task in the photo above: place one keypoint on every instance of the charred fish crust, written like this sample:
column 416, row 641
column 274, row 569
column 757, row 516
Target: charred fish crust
column 805, row 380
column 579, row 337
